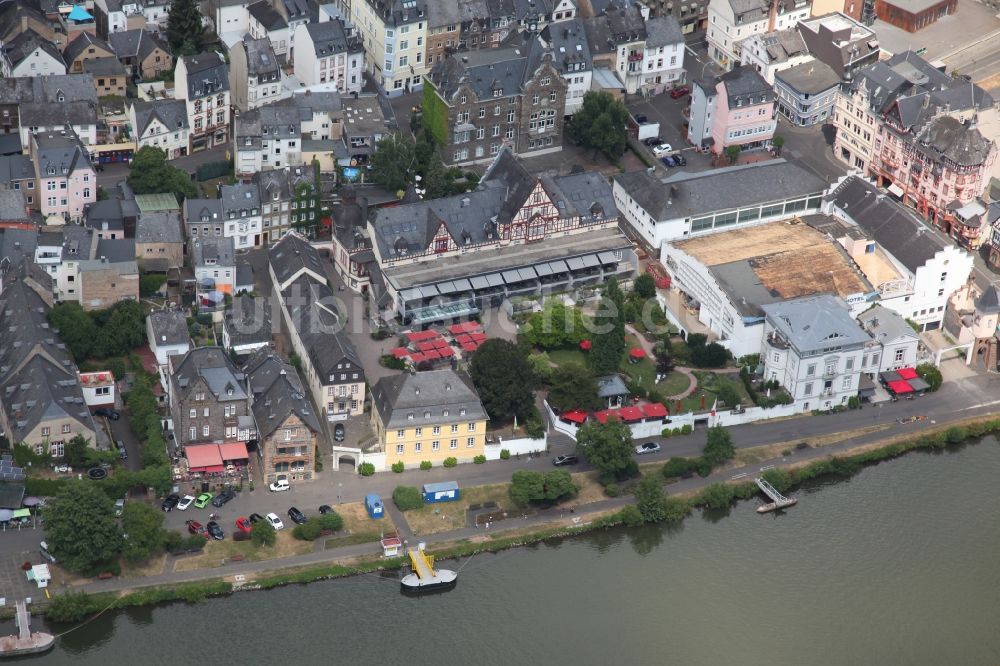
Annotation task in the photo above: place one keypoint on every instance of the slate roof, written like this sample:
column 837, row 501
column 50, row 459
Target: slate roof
column 260, row 55
column 16, row 167
column 663, row 31
column 611, row 386
column 809, row 78
column 267, row 16
column 277, row 394
column 485, row 70
column 196, row 209
column 83, row 41
column 330, row 37
column 310, row 308
column 13, row 206
column 172, row 113
column 18, row 244
column 48, row 89
column 14, row 14
column 744, row 85
column 109, row 66
column 248, row 320
column 115, row 250
column 207, row 74
column 60, row 114
column 568, row 41
column 169, row 327
column 63, row 154
column 274, row 121
column 815, row 323
column 160, row 227
column 885, row 325
column 780, row 45
column 239, row 197
column 886, row 222
column 137, row 43
column 399, row 12
column 26, row 43
column 749, row 10
column 947, row 138
column 218, row 250
column 422, row 398
column 989, row 301
column 692, row 194
column 213, row 365
column 291, row 254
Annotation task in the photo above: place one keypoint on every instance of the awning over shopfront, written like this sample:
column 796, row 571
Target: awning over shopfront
column 234, row 451
column 896, row 190
column 201, row 457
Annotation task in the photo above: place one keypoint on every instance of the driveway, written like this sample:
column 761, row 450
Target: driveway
column 122, row 430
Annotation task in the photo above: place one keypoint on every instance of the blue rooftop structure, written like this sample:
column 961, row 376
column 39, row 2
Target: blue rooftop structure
column 79, row 14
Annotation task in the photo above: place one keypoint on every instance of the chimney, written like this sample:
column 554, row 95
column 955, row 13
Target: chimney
column 772, row 16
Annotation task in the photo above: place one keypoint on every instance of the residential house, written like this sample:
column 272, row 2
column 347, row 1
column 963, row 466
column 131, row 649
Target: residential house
column 41, row 400
column 104, row 283
column 517, row 234
column 162, row 123
column 86, row 269
column 617, row 38
column 737, row 110
column 692, row 15
column 255, row 74
column 20, row 17
column 207, row 396
column 159, row 241
column 771, row 52
column 295, row 13
column 118, row 16
column 265, row 22
column 214, row 272
column 807, row 93
column 571, row 55
column 686, row 205
column 269, row 137
column 730, row 22
column 109, row 76
column 66, row 178
column 115, row 217
column 49, row 104
column 512, row 96
column 14, row 211
column 813, row 347
column 971, row 320
column 202, row 81
column 363, row 124
column 167, row 334
column 288, row 201
column 231, row 19
column 84, row 47
column 428, row 416
column 663, row 64
column 894, row 343
column 288, row 428
column 392, row 33
column 913, row 16
column 246, row 326
column 329, row 52
column 143, row 52
column 155, row 12
column 17, row 172
column 445, row 19
column 929, row 270
column 29, row 54
column 332, row 368
column 202, row 218
column 351, row 242
column 241, row 214
column 839, row 41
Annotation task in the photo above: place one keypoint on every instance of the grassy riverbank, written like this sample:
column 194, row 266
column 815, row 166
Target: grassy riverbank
column 76, row 606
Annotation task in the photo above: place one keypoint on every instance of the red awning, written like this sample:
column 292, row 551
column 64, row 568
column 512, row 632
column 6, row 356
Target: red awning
column 234, row 451
column 602, row 416
column 636, row 352
column 465, row 327
column 907, row 373
column 420, row 336
column 400, row 352
column 447, row 352
column 462, row 339
column 431, row 355
column 575, row 415
column 900, row 386
column 654, row 410
column 469, row 347
column 477, row 337
column 425, row 346
column 201, row 456
column 630, row 414
column 441, row 343
column 213, row 468
column 585, row 345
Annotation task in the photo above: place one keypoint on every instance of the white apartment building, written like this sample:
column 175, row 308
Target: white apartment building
column 269, row 137
column 328, row 52
column 202, row 81
column 160, row 124
column 772, row 52
column 254, row 74
column 730, row 22
column 567, row 40
column 663, row 66
column 241, row 215
column 392, row 35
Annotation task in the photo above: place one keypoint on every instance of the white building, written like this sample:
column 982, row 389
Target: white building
column 156, row 12
column 813, row 347
column 98, row 388
column 161, row 124
column 167, row 333
column 772, row 52
column 241, row 215
column 926, row 270
column 730, row 22
column 392, row 33
column 264, row 22
column 269, row 137
column 663, row 67
column 202, row 81
column 894, row 342
column 29, row 54
column 255, row 75
column 570, row 49
column 328, row 52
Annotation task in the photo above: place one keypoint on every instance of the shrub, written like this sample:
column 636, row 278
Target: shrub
column 676, row 467
column 686, row 429
column 504, row 455
column 450, row 461
column 666, row 432
column 676, row 431
column 70, row 607
column 240, row 535
column 955, row 435
column 308, row 531
column 407, row 498
column 534, row 428
column 781, row 479
column 332, row 521
column 393, row 363
column 366, row 469
column 398, row 467
column 716, row 496
column 44, row 487
column 425, row 465
column 612, row 490
column 263, row 534
column 675, row 509
column 853, row 402
column 479, row 460
column 631, row 516
column 930, row 374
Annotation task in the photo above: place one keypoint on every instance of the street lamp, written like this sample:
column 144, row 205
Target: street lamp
column 339, row 486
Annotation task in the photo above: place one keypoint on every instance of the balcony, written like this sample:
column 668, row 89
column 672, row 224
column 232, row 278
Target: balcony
column 635, row 57
column 776, row 341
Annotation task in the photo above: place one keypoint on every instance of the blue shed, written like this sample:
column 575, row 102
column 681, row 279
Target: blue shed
column 374, row 505
column 446, row 491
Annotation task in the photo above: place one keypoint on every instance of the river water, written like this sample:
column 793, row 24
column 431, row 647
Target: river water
column 897, row 566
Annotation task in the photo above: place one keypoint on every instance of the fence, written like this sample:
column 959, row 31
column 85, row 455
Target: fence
column 519, row 446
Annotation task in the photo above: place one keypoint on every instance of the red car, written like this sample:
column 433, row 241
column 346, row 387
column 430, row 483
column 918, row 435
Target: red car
column 194, row 527
column 243, row 525
column 679, row 92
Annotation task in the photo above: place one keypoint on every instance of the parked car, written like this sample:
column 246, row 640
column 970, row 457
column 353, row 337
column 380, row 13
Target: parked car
column 215, row 531
column 679, row 92
column 105, row 411
column 648, row 447
column 652, row 141
column 122, row 451
column 325, row 509
column 185, row 502
column 203, row 500
column 243, row 525
column 567, row 459
column 43, row 548
column 668, row 161
column 339, row 432
column 194, row 527
column 170, row 501
column 275, row 521
column 680, row 159
column 297, row 516
column 255, row 518
column 280, row 485
column 662, row 149
column 226, row 495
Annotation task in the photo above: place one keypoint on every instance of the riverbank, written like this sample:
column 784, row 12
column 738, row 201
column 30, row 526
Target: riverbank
column 686, row 495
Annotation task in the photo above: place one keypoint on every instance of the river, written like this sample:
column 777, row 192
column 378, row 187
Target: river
column 896, row 566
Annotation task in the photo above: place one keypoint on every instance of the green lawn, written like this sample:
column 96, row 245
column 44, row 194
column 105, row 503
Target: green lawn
column 567, row 356
column 673, row 384
column 709, row 384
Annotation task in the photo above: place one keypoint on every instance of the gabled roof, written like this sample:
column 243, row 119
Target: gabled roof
column 59, row 154
column 137, row 43
column 109, row 66
column 169, row 327
column 885, row 325
column 267, row 16
column 171, row 113
column 197, row 209
column 219, row 251
column 159, row 227
column 989, row 301
column 744, row 85
column 260, row 55
column 239, row 197
column 213, row 366
column 310, row 307
column 16, row 167
column 26, row 43
column 277, row 394
column 814, row 323
column 330, row 37
column 427, row 398
column 291, row 255
column 663, row 30
column 248, row 320
column 946, row 137
column 207, row 74
column 569, row 45
column 83, row 41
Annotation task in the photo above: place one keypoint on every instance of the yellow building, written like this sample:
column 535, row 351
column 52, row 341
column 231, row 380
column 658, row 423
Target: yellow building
column 428, row 416
column 393, row 34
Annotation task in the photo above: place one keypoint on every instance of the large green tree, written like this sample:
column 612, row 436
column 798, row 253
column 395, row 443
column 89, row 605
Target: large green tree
column 600, row 124
column 81, row 527
column 529, row 487
column 151, row 173
column 505, row 382
column 608, row 344
column 394, row 162
column 573, row 387
column 719, row 446
column 144, row 531
column 185, row 31
column 608, row 447
column 644, row 286
column 122, row 328
column 650, row 498
column 76, row 329
column 555, row 326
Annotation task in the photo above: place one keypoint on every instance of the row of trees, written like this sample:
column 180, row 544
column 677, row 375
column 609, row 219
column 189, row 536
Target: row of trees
column 398, row 161
column 99, row 333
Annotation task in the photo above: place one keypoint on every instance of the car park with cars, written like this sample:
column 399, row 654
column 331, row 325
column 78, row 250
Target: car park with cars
column 280, row 485
column 203, row 500
column 297, row 516
column 170, row 502
column 194, row 527
column 662, row 149
column 222, row 498
column 275, row 521
column 243, row 525
column 185, row 502
column 215, row 531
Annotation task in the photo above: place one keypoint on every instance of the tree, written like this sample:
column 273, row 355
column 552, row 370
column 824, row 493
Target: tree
column 650, row 498
column 717, row 496
column 555, row 326
column 185, row 31
column 393, row 162
column 122, row 328
column 407, row 498
column 150, row 173
column 76, row 451
column 733, row 153
column 81, row 527
column 143, row 526
column 501, row 373
column 930, row 374
column 76, row 329
column 600, row 124
column 608, row 447
column 718, row 446
column 608, row 344
column 435, row 178
column 573, row 387
column 645, row 286
column 263, row 534
column 777, row 142
column 541, row 487
column 728, row 395
column 704, row 355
